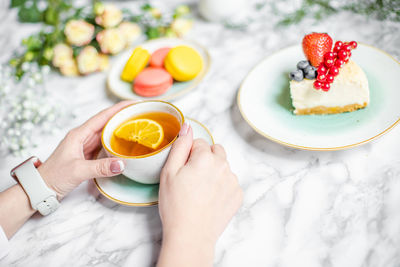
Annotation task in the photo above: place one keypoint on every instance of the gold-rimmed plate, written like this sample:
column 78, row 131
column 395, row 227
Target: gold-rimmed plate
column 123, row 90
column 125, row 191
column 264, row 102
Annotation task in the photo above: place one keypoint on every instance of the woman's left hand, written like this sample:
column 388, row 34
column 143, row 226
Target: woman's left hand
column 72, row 161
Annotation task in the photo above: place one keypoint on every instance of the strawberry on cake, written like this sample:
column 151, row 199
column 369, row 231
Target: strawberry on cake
column 328, row 82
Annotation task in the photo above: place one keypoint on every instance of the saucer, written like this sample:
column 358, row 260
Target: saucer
column 123, row 89
column 125, row 191
column 265, row 104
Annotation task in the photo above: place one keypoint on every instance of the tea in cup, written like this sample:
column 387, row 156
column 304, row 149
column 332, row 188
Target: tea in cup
column 142, row 135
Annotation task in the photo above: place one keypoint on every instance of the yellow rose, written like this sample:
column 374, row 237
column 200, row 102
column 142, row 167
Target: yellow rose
column 69, row 68
column 104, row 62
column 110, row 17
column 88, row 60
column 62, row 53
column 131, row 32
column 79, row 32
column 181, row 26
column 111, row 41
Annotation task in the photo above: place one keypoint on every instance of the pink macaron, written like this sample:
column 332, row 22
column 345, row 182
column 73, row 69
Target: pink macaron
column 158, row 56
column 152, row 82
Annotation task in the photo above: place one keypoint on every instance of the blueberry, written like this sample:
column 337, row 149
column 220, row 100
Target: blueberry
column 310, row 72
column 303, row 64
column 296, row 75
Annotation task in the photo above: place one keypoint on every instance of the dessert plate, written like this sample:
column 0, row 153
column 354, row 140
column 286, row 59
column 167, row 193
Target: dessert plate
column 123, row 89
column 264, row 102
column 127, row 192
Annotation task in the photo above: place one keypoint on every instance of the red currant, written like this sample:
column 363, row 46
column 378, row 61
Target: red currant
column 317, row 85
column 326, row 87
column 337, row 49
column 322, row 69
column 346, row 47
column 349, row 54
column 329, row 55
column 342, row 54
column 338, row 43
column 329, row 78
column 329, row 63
column 334, row 70
column 339, row 62
column 346, row 60
column 321, row 77
column 335, row 54
column 353, row 44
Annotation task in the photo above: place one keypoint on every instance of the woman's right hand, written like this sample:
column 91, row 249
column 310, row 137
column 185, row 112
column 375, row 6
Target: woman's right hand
column 199, row 195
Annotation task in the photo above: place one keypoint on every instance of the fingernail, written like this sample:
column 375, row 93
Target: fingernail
column 184, row 129
column 117, row 166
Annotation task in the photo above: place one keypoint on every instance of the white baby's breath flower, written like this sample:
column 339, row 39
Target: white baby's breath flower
column 131, row 32
column 110, row 17
column 31, row 82
column 88, row 60
column 79, row 32
column 25, row 66
column 62, row 54
column 111, row 41
column 46, row 69
column 37, row 77
column 181, row 26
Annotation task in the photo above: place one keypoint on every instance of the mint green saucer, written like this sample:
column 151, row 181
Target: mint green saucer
column 127, row 192
column 123, row 89
column 264, row 102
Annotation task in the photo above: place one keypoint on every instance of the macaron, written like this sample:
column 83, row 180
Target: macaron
column 158, row 56
column 135, row 64
column 152, row 82
column 183, row 63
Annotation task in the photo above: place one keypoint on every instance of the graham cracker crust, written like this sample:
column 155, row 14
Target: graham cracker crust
column 322, row 110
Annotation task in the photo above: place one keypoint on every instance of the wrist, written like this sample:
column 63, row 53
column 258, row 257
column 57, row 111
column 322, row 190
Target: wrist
column 186, row 248
column 192, row 237
column 46, row 175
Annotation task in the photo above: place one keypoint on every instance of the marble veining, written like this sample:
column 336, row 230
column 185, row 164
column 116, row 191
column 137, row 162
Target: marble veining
column 301, row 208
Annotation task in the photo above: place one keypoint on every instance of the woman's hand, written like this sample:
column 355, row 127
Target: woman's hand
column 199, row 195
column 69, row 165
column 72, row 161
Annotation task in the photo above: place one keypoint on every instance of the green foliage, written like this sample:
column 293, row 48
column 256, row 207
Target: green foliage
column 28, row 10
column 319, row 9
column 155, row 24
column 39, row 48
column 55, row 14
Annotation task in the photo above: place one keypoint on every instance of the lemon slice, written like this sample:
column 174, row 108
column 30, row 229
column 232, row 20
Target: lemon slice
column 143, row 131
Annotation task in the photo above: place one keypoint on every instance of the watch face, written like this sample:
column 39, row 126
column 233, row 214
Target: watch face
column 35, row 160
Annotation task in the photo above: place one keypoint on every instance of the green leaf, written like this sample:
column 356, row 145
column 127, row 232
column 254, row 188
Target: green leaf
column 17, row 3
column 153, row 33
column 51, row 16
column 30, row 14
column 32, row 42
column 146, row 7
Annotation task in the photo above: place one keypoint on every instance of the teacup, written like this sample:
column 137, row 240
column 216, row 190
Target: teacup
column 146, row 168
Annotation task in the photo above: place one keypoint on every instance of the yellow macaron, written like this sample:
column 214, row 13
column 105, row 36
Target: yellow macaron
column 183, row 63
column 135, row 64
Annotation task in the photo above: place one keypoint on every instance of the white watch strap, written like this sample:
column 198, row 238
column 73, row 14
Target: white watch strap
column 41, row 197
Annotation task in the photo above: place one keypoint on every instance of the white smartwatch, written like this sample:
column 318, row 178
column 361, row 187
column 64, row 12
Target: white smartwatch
column 42, row 198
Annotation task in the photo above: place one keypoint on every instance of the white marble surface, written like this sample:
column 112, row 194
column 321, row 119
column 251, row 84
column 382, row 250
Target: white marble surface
column 301, row 208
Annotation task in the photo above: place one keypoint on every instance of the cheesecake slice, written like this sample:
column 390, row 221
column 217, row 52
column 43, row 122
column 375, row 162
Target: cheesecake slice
column 348, row 92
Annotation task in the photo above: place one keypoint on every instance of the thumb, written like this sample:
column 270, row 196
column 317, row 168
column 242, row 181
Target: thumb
column 180, row 150
column 105, row 167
